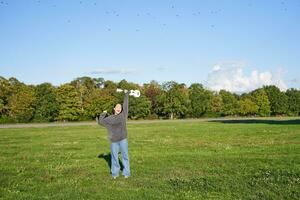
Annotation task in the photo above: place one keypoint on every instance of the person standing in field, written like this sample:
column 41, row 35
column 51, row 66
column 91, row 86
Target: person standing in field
column 117, row 134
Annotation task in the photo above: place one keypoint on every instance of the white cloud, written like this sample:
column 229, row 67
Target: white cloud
column 216, row 67
column 114, row 71
column 230, row 76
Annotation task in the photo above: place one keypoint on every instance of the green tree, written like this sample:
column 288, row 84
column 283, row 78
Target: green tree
column 46, row 104
column 87, row 82
column 5, row 89
column 229, row 102
column 247, row 107
column 260, row 97
column 139, row 107
column 5, row 92
column 110, row 85
column 278, row 100
column 174, row 101
column 293, row 101
column 69, row 103
column 84, row 86
column 123, row 84
column 1, row 107
column 216, row 105
column 159, row 108
column 21, row 103
column 97, row 102
column 200, row 99
column 152, row 91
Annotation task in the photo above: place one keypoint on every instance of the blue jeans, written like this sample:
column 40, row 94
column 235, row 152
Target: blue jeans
column 115, row 165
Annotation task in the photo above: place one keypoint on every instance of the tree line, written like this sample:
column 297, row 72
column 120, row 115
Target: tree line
column 84, row 98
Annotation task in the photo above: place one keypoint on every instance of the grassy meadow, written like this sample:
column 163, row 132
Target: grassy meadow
column 188, row 159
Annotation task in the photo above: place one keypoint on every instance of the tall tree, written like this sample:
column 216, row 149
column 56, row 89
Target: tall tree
column 85, row 81
column 46, row 104
column 216, row 105
column 152, row 90
column 139, row 107
column 293, row 101
column 123, row 84
column 229, row 102
column 174, row 101
column 1, row 107
column 84, row 86
column 97, row 102
column 247, row 107
column 21, row 103
column 110, row 85
column 5, row 92
column 260, row 97
column 200, row 99
column 5, row 89
column 278, row 100
column 69, row 103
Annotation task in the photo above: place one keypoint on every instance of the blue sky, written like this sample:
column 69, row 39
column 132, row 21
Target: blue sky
column 240, row 43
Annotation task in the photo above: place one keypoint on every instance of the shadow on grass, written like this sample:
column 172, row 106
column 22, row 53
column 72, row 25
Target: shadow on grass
column 258, row 121
column 107, row 158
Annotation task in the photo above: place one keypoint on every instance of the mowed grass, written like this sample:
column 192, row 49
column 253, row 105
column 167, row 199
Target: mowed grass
column 169, row 160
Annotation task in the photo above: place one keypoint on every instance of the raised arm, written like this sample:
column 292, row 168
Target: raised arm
column 101, row 119
column 125, row 104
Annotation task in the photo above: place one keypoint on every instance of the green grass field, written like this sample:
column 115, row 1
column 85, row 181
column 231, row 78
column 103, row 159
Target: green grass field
column 169, row 160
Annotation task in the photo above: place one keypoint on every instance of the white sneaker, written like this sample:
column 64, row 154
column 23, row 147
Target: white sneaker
column 126, row 176
column 114, row 177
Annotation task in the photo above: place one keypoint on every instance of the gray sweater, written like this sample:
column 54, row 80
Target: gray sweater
column 116, row 124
